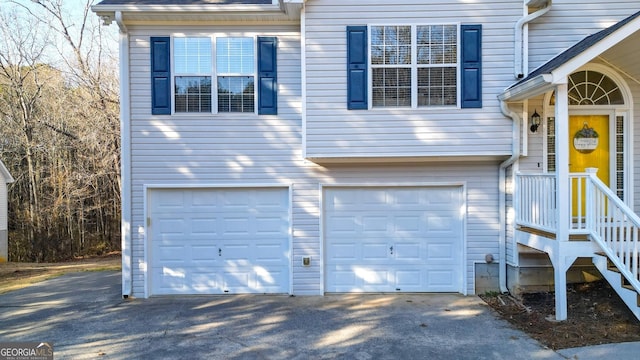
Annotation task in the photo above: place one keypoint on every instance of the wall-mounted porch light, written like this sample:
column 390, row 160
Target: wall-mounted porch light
column 535, row 121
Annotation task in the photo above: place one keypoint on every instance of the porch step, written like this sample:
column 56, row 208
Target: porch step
column 618, row 282
column 610, row 265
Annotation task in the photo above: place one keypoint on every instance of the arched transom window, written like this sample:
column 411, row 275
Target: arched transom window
column 590, row 87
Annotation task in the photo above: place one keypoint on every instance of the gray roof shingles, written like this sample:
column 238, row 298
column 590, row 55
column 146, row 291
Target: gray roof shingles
column 576, row 49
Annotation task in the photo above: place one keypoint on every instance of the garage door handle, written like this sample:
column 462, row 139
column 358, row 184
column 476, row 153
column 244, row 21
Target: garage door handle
column 391, row 249
column 219, row 252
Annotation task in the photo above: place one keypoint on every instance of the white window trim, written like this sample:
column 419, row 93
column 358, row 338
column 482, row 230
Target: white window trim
column 414, row 69
column 213, row 74
column 175, row 74
column 217, row 74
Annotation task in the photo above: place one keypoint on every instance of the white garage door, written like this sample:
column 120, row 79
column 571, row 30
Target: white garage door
column 215, row 241
column 401, row 239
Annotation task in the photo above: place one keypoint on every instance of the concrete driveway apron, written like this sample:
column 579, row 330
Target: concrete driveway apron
column 84, row 317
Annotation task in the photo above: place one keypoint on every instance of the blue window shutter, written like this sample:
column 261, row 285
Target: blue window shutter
column 267, row 76
column 357, row 95
column 471, row 66
column 160, row 76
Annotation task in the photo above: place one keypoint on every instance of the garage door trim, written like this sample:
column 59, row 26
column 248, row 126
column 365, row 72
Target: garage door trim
column 147, row 188
column 462, row 185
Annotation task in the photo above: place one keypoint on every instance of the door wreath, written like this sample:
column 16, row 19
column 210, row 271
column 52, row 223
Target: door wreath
column 585, row 140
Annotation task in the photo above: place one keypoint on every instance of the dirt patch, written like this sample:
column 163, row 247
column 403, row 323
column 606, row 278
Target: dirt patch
column 14, row 276
column 596, row 315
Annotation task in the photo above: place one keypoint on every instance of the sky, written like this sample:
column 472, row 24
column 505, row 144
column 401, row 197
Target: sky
column 73, row 10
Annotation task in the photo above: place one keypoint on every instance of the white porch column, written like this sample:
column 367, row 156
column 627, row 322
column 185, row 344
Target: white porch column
column 563, row 198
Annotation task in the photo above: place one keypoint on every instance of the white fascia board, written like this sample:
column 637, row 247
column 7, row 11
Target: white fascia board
column 208, row 8
column 107, row 12
column 536, row 3
column 5, row 174
column 291, row 6
column 530, row 88
column 563, row 71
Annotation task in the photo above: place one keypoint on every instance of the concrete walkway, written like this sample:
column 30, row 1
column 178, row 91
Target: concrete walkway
column 84, row 317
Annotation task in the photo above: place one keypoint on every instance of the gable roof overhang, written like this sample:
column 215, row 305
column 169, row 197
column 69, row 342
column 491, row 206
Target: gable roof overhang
column 4, row 173
column 556, row 70
column 134, row 12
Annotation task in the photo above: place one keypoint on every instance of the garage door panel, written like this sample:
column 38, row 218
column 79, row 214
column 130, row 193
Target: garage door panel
column 235, row 226
column 340, row 252
column 203, row 225
column 204, row 255
column 374, row 251
column 410, row 225
column 409, row 251
column 269, row 226
column 342, row 224
column 374, row 225
column 407, row 280
column 441, row 252
column 214, row 241
column 269, row 253
column 172, row 253
column 202, row 200
column 390, row 239
column 269, row 281
column 443, row 280
column 170, row 201
column 405, row 197
column 204, row 281
column 443, row 222
column 170, row 278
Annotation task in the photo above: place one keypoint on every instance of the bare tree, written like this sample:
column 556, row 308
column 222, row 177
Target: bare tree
column 60, row 130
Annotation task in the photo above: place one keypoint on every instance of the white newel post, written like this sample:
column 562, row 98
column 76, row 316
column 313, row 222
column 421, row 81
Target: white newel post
column 563, row 199
column 589, row 198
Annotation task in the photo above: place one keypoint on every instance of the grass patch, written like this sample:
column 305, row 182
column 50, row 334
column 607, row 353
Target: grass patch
column 15, row 276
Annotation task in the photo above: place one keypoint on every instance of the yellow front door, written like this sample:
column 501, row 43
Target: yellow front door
column 588, row 148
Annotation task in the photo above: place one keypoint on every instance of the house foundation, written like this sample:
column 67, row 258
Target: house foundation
column 487, row 278
column 535, row 274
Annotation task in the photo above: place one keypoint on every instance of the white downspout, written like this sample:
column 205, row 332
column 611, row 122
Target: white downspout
column 502, row 190
column 125, row 160
column 521, row 43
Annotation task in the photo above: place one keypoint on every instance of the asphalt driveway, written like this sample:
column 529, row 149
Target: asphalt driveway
column 84, row 317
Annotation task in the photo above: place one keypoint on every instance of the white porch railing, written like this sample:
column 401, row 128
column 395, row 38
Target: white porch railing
column 535, row 201
column 595, row 210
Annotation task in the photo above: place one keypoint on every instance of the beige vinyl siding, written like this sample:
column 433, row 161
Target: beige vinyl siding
column 635, row 187
column 569, row 21
column 333, row 131
column 218, row 149
column 246, row 149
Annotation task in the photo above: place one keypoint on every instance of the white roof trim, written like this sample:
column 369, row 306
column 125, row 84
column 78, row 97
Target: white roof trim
column 240, row 8
column 559, row 75
column 5, row 174
column 563, row 71
column 538, row 85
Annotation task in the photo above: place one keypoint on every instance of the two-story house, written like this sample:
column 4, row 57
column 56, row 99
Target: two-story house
column 319, row 146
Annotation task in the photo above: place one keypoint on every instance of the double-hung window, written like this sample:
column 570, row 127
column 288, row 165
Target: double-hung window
column 414, row 66
column 235, row 63
column 214, row 75
column 192, row 81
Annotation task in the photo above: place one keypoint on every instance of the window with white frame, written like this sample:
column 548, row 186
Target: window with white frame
column 414, row 66
column 234, row 73
column 235, row 64
column 192, row 67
